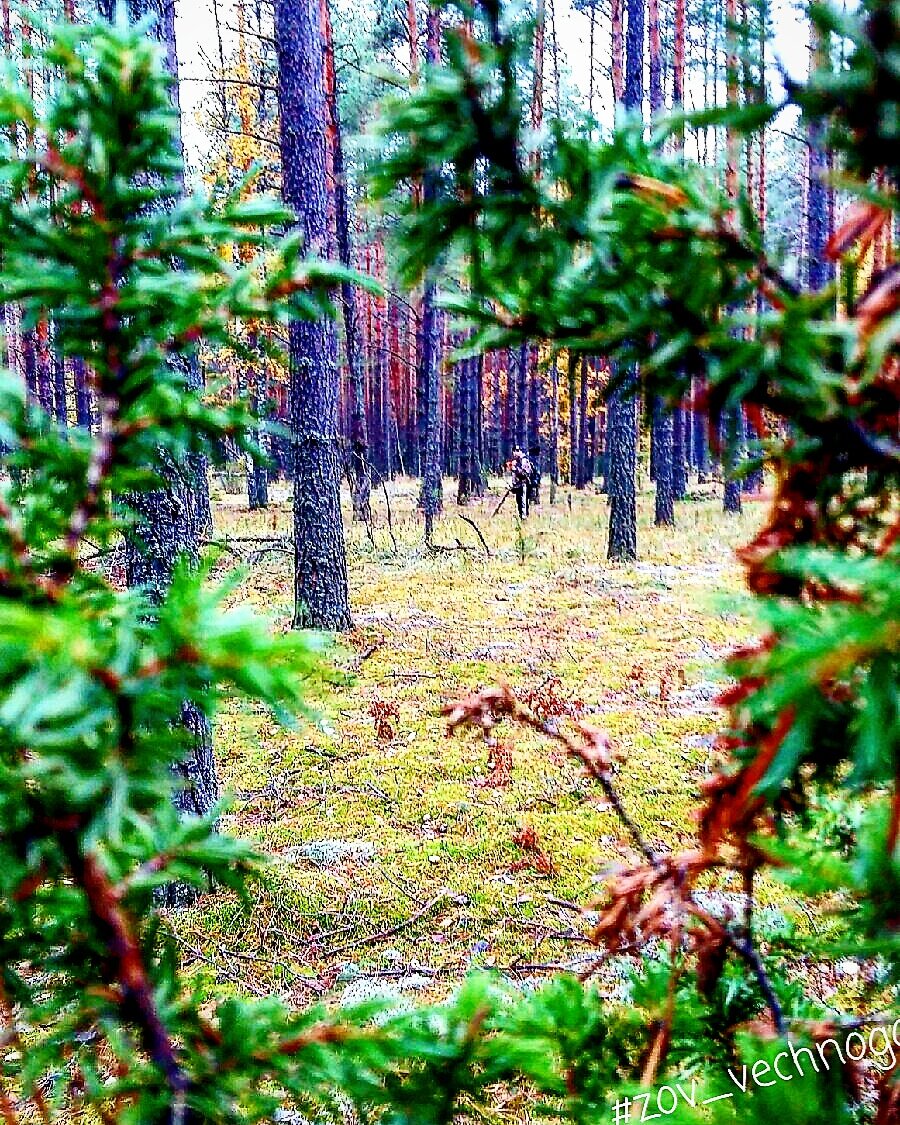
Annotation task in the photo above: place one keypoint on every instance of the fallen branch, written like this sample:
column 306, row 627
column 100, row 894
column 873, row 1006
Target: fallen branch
column 477, row 531
column 502, row 502
column 483, row 708
column 251, row 958
column 445, row 548
column 387, row 504
column 286, row 540
column 357, row 662
column 545, row 932
column 382, row 935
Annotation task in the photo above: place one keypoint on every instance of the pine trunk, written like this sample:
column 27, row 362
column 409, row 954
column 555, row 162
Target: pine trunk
column 82, row 394
column 663, row 423
column 681, row 443
column 360, row 473
column 522, row 397
column 171, row 524
column 495, row 429
column 582, row 474
column 617, row 50
column 257, row 470
column 431, row 500
column 60, row 394
column 700, row 441
column 478, row 448
column 431, row 497
column 464, row 431
column 509, row 405
column 819, row 271
column 573, row 419
column 321, row 599
column 621, row 470
column 682, row 420
column 535, row 394
column 664, row 515
column 731, row 422
column 554, row 430
column 622, row 424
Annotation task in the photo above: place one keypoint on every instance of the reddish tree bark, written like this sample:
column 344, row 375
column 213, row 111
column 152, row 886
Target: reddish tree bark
column 583, row 477
column 618, row 83
column 360, row 474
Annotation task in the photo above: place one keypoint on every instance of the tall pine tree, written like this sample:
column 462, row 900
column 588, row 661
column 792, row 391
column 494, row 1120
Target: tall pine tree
column 622, row 422
column 321, row 598
column 431, row 500
column 662, row 418
column 173, row 519
column 360, row 470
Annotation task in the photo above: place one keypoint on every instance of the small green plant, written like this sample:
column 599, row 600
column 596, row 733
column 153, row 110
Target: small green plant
column 525, row 544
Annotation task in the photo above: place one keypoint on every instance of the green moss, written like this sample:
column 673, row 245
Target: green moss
column 629, row 641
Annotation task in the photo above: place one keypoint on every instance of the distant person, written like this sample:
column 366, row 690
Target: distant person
column 521, row 480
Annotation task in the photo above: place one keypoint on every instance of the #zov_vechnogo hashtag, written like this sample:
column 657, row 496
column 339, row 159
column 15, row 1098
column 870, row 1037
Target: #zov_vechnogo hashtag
column 793, row 1062
column 653, row 1104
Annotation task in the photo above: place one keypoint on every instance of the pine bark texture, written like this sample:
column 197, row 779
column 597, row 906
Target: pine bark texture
column 535, row 444
column 431, row 498
column 622, row 423
column 522, row 397
column 819, row 271
column 731, row 421
column 321, row 598
column 682, row 419
column 172, row 522
column 572, row 379
column 681, row 435
column 465, row 463
column 495, row 426
column 554, row 429
column 360, row 471
column 664, row 515
column 663, row 423
column 82, row 394
column 584, row 475
column 257, row 470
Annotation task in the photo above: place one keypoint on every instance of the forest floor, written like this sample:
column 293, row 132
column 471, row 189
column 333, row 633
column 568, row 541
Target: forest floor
column 398, row 857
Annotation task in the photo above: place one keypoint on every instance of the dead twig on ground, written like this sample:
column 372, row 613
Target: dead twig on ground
column 546, row 933
column 387, row 505
column 250, row 958
column 445, row 548
column 477, row 531
column 270, row 544
column 357, row 662
column 382, row 935
column 660, row 874
column 502, row 502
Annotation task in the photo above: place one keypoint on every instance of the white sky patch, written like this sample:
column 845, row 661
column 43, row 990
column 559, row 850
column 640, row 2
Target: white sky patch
column 788, row 49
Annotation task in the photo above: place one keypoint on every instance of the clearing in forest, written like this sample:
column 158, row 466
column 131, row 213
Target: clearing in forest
column 403, row 858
